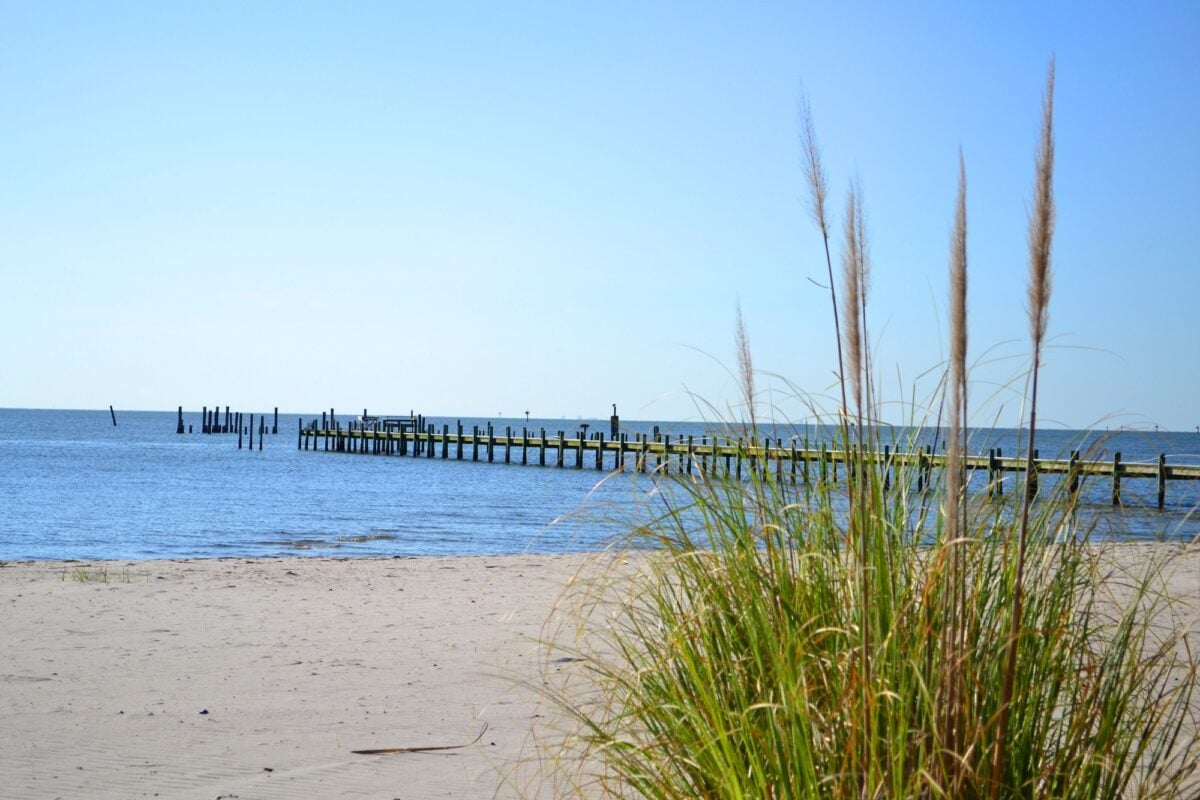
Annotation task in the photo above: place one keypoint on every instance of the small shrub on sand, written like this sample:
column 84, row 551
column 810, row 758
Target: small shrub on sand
column 866, row 639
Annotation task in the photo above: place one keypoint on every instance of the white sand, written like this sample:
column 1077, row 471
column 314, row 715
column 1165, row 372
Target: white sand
column 257, row 678
column 238, row 678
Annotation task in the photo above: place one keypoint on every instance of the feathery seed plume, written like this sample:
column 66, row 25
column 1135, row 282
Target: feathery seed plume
column 745, row 364
column 814, row 171
column 958, row 284
column 851, row 285
column 1041, row 221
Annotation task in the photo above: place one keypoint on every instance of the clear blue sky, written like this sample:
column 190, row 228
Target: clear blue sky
column 478, row 208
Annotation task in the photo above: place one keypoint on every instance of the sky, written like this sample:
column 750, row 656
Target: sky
column 479, row 209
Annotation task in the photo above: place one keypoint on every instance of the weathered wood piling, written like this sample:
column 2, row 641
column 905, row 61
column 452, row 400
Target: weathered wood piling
column 211, row 422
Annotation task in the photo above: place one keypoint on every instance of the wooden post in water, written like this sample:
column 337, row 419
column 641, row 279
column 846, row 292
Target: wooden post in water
column 579, row 452
column 507, row 444
column 887, row 467
column 1031, row 482
column 524, row 446
column 1162, row 480
column 445, row 441
column 600, row 450
column 179, row 424
column 251, row 435
column 460, row 441
column 240, row 438
column 1073, row 475
column 474, row 442
column 542, row 449
column 262, row 427
column 562, row 440
column 275, row 425
column 491, row 442
column 431, row 451
column 1116, row 479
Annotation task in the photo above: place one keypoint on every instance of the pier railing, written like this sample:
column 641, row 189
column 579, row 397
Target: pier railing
column 714, row 455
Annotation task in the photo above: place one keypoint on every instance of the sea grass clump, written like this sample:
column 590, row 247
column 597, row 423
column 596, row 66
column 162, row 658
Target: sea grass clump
column 869, row 638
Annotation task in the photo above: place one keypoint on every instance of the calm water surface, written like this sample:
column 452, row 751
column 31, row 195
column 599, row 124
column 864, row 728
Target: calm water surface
column 74, row 486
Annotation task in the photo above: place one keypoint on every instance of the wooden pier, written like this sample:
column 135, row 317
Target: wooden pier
column 720, row 455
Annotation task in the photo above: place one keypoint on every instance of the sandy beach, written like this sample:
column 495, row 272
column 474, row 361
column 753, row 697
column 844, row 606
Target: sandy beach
column 238, row 678
column 257, row 678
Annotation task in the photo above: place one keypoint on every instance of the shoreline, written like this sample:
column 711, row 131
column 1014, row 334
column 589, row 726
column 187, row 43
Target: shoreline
column 256, row 677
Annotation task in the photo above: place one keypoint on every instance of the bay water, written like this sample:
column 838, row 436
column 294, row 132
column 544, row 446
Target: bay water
column 74, row 486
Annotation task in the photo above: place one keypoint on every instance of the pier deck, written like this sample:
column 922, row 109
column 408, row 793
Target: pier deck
column 716, row 456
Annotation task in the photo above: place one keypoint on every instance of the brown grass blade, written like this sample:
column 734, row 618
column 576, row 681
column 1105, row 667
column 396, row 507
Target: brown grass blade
column 388, row 751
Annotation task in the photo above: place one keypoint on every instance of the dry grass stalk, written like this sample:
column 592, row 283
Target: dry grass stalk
column 864, row 288
column 745, row 366
column 1041, row 234
column 851, row 287
column 818, row 190
column 813, row 169
column 952, row 686
column 958, row 292
column 1041, row 223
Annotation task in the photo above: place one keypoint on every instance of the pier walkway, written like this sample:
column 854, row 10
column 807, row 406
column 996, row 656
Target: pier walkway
column 710, row 456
